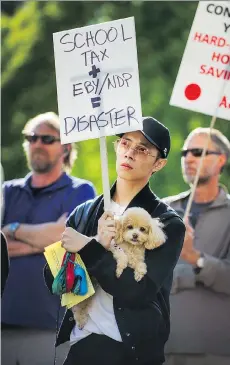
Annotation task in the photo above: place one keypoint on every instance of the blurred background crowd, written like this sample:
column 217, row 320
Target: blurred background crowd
column 29, row 83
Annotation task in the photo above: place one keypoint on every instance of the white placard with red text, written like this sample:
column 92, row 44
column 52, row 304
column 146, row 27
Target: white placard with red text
column 97, row 80
column 203, row 80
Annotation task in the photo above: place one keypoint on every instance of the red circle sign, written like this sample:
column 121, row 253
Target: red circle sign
column 192, row 91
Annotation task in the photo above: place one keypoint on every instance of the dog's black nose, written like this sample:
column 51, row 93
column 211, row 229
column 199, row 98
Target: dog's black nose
column 135, row 235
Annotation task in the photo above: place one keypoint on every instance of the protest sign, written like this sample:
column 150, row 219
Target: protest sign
column 97, row 80
column 203, row 80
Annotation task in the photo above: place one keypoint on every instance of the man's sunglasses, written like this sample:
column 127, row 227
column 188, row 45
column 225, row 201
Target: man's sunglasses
column 197, row 152
column 45, row 138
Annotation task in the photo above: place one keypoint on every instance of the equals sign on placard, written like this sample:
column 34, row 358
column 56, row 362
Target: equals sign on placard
column 96, row 102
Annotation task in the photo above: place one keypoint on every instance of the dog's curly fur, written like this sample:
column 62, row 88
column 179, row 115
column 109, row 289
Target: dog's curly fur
column 136, row 231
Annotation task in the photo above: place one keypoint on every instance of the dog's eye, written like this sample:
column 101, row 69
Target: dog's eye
column 130, row 226
column 142, row 229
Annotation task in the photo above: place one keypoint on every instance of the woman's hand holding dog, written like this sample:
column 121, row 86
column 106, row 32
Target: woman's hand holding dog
column 106, row 229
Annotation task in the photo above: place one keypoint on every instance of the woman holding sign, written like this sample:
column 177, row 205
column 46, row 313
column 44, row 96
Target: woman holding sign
column 128, row 320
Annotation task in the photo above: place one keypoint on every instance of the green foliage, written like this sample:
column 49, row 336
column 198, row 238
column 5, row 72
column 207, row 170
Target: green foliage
column 29, row 83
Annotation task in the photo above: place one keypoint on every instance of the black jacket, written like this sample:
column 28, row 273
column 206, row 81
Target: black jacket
column 141, row 308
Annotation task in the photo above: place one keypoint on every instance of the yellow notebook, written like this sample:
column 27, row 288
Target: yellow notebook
column 54, row 255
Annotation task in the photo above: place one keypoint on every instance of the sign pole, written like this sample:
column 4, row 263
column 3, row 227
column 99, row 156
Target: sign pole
column 188, row 207
column 105, row 173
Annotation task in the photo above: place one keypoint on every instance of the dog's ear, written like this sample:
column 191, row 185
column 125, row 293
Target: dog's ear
column 156, row 234
column 119, row 229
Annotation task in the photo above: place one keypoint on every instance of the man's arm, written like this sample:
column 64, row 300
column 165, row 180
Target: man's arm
column 215, row 274
column 17, row 248
column 38, row 236
column 41, row 235
column 183, row 278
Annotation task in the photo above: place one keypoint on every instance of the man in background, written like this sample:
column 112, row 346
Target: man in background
column 35, row 211
column 200, row 297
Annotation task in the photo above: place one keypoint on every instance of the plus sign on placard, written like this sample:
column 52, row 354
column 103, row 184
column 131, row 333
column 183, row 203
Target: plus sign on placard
column 94, row 71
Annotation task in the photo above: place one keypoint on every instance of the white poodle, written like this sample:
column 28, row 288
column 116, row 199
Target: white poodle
column 136, row 232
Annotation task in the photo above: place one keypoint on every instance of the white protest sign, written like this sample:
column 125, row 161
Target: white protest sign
column 203, row 80
column 97, row 80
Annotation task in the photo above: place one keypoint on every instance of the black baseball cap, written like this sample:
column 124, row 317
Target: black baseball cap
column 157, row 134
